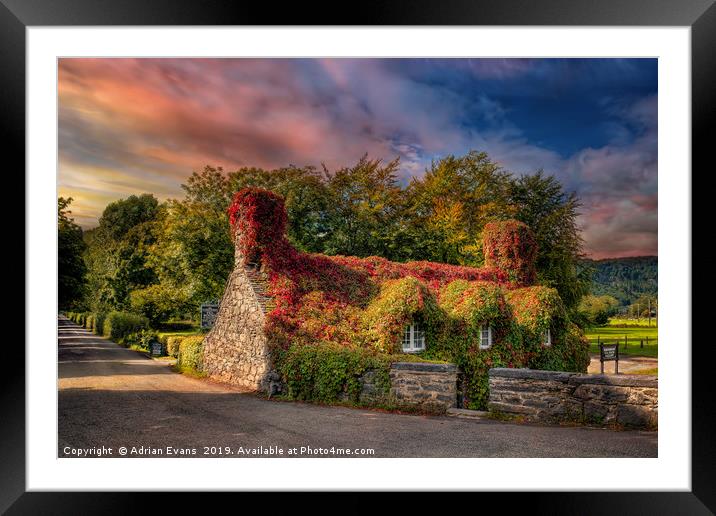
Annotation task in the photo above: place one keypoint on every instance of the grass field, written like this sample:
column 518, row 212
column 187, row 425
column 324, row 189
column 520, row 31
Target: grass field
column 634, row 336
column 178, row 333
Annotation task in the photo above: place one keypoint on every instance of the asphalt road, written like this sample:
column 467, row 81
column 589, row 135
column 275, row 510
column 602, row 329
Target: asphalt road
column 111, row 397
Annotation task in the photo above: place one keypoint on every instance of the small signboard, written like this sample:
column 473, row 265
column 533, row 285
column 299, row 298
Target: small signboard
column 608, row 353
column 209, row 312
column 156, row 349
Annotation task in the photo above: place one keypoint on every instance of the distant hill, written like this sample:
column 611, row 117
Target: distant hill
column 625, row 278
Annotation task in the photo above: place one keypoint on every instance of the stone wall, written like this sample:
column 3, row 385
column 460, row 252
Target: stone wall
column 551, row 396
column 235, row 350
column 417, row 384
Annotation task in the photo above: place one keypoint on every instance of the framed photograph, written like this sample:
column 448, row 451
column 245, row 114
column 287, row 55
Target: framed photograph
column 428, row 238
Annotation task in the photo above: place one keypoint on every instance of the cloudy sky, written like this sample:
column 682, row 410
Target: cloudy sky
column 129, row 126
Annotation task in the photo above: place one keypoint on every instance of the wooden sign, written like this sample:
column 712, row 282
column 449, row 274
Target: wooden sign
column 209, row 311
column 608, row 353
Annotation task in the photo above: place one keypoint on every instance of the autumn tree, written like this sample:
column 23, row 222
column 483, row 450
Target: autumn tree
column 450, row 205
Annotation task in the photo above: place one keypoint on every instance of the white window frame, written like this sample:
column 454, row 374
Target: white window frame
column 487, row 345
column 415, row 341
column 547, row 338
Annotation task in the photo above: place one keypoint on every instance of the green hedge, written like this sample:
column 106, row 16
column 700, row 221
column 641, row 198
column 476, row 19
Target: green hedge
column 99, row 318
column 93, row 321
column 172, row 344
column 190, row 356
column 78, row 317
column 118, row 325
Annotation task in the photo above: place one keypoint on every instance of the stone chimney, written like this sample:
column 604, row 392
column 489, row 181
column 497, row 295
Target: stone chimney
column 511, row 247
column 258, row 224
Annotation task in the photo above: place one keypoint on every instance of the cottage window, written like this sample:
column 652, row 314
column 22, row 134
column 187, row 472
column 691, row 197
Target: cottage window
column 413, row 338
column 485, row 337
column 547, row 340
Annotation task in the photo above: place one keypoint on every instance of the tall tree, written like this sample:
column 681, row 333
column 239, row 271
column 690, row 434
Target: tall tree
column 364, row 209
column 192, row 255
column 596, row 310
column 539, row 201
column 154, row 257
column 452, row 202
column 118, row 251
column 101, row 266
column 71, row 269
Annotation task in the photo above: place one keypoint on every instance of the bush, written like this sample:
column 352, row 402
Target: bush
column 172, row 344
column 190, row 357
column 141, row 339
column 118, row 325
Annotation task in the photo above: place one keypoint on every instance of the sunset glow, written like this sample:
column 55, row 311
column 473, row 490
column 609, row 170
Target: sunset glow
column 128, row 126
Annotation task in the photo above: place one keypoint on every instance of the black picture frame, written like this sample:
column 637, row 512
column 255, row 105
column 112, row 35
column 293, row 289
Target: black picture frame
column 700, row 15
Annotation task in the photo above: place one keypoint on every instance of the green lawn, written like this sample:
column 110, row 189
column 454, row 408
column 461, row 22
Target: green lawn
column 611, row 335
column 178, row 333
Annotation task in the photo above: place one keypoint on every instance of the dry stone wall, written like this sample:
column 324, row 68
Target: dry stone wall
column 424, row 384
column 550, row 396
column 417, row 384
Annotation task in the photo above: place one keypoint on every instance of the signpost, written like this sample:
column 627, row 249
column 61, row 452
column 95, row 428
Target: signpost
column 209, row 312
column 607, row 353
column 156, row 349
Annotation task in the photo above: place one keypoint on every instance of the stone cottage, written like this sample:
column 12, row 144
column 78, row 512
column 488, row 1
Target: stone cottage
column 421, row 317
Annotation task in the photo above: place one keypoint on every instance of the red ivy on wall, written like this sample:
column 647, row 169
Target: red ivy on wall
column 258, row 220
column 347, row 303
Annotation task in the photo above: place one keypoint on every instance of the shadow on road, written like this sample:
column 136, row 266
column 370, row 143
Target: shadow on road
column 111, row 396
column 156, row 418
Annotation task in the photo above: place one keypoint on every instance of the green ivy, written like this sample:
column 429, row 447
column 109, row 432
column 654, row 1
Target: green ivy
column 468, row 305
column 327, row 372
column 399, row 303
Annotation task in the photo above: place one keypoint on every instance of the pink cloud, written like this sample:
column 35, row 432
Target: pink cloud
column 158, row 119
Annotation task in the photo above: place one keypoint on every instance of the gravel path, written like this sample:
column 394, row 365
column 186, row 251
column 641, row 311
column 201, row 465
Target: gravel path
column 628, row 364
column 111, row 397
